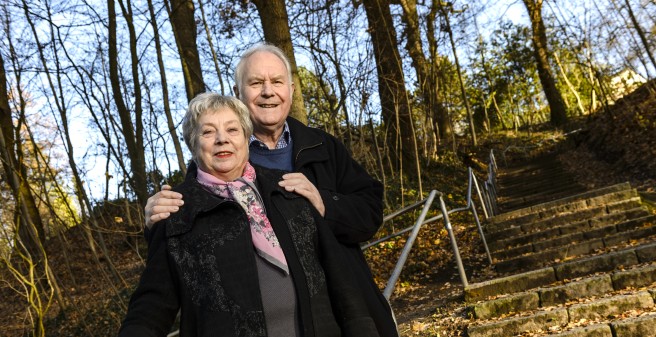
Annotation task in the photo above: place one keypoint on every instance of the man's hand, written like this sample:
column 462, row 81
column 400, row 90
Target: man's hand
column 161, row 205
column 299, row 183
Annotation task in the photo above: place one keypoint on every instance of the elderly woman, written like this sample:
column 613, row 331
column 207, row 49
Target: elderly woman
column 243, row 256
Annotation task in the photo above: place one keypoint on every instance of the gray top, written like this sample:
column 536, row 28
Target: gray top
column 278, row 300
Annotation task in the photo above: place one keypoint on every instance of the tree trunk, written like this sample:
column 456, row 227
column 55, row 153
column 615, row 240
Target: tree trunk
column 275, row 24
column 441, row 117
column 31, row 230
column 133, row 138
column 541, row 53
column 571, row 87
column 183, row 23
column 165, row 91
column 391, row 83
column 414, row 47
column 58, row 95
column 28, row 245
column 210, row 43
column 463, row 92
column 641, row 33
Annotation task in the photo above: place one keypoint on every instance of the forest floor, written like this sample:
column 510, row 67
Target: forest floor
column 611, row 146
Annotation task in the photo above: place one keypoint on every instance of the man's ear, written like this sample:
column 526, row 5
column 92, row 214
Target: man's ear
column 293, row 86
column 234, row 88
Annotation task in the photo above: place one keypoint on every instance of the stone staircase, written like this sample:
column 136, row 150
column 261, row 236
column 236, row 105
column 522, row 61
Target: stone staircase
column 568, row 261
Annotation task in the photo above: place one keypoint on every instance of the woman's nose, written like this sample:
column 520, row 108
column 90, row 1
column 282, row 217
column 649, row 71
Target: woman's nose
column 220, row 137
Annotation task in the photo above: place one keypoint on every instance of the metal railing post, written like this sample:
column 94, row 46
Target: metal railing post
column 391, row 283
column 454, row 244
column 480, row 231
column 478, row 192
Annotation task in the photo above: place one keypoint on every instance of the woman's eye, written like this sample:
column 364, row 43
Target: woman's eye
column 207, row 132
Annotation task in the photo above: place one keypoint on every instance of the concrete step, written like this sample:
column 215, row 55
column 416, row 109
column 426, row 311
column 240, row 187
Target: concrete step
column 540, row 322
column 519, row 174
column 534, row 182
column 608, row 262
column 570, row 246
column 534, row 212
column 559, row 293
column 556, row 193
column 638, row 326
column 591, row 256
column 561, row 208
column 577, row 214
column 568, row 252
column 522, row 243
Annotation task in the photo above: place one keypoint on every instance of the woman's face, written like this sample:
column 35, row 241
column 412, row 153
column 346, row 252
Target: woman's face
column 223, row 148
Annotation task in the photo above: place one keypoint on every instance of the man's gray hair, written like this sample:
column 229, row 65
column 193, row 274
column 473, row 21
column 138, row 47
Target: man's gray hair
column 264, row 48
column 210, row 102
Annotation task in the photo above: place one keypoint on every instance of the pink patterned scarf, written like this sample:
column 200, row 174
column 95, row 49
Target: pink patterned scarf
column 244, row 193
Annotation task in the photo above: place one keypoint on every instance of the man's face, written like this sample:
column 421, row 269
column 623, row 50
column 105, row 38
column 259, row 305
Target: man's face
column 266, row 91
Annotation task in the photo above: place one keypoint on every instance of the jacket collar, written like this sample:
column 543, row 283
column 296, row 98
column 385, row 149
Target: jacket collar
column 305, row 138
column 197, row 200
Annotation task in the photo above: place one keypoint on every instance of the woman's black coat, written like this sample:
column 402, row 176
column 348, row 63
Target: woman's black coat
column 201, row 260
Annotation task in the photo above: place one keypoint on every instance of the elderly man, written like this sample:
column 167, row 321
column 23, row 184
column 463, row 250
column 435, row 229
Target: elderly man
column 342, row 192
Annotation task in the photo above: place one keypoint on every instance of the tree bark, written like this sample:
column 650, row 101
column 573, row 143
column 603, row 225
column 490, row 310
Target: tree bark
column 133, row 136
column 641, row 33
column 570, row 86
column 183, row 23
column 441, row 117
column 541, row 54
column 275, row 24
column 31, row 229
column 463, row 92
column 391, row 82
column 165, row 90
column 210, row 43
column 58, row 95
column 414, row 47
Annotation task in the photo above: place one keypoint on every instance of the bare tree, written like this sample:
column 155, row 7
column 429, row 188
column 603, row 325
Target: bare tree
column 183, row 23
column 133, row 133
column 215, row 58
column 394, row 100
column 541, row 54
column 165, row 89
column 30, row 229
column 427, row 81
column 275, row 24
column 641, row 33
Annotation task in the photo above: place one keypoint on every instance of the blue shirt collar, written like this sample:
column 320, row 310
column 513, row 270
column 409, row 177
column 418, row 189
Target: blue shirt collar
column 282, row 142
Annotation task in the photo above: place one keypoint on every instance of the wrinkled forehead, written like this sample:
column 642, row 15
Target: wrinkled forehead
column 265, row 63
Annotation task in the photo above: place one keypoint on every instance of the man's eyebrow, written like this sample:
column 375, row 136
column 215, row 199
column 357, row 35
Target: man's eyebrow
column 253, row 77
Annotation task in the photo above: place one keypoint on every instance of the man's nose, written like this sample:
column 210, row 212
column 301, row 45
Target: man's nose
column 267, row 89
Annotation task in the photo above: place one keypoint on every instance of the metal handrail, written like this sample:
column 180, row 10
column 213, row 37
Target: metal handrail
column 391, row 283
column 489, row 198
column 421, row 220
